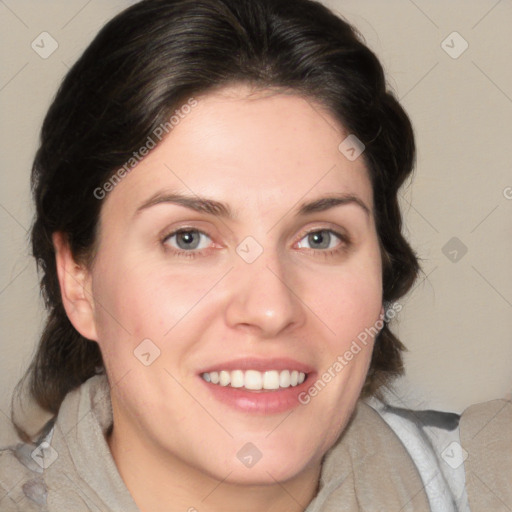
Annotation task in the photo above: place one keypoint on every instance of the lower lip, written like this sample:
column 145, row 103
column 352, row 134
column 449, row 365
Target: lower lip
column 264, row 401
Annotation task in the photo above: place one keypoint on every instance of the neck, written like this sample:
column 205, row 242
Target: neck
column 166, row 483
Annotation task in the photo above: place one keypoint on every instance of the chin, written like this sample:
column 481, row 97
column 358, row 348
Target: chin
column 266, row 472
column 249, row 465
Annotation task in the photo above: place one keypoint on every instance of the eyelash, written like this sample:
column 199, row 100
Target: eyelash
column 326, row 253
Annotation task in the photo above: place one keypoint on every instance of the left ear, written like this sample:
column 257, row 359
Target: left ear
column 75, row 288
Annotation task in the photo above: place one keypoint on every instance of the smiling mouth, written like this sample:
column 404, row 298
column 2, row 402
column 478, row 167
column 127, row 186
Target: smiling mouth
column 254, row 380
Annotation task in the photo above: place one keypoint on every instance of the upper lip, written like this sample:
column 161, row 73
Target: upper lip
column 262, row 365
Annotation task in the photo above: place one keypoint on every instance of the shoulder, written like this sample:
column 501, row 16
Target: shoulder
column 431, row 439
column 22, row 484
column 368, row 465
column 465, row 461
column 486, row 439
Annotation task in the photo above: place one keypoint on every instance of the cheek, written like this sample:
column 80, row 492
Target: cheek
column 131, row 304
column 349, row 302
column 348, row 299
column 137, row 300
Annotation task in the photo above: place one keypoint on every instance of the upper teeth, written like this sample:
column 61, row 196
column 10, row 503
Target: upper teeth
column 254, row 380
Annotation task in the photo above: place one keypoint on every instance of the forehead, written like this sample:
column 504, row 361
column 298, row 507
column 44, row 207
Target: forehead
column 249, row 148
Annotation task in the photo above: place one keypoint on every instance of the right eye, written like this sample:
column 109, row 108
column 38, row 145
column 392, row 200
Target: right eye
column 187, row 242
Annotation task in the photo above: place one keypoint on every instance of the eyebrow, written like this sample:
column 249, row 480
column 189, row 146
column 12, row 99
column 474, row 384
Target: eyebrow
column 219, row 209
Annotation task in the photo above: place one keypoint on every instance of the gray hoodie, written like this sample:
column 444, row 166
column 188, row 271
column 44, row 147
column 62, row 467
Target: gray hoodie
column 70, row 467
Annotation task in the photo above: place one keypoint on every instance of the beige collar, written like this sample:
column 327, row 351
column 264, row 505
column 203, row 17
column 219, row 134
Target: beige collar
column 367, row 466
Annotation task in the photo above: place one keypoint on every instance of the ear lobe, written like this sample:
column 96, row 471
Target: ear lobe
column 75, row 288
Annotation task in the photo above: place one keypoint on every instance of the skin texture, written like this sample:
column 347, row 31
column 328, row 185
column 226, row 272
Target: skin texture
column 263, row 153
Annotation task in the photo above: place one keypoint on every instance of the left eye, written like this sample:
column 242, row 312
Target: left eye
column 187, row 239
column 322, row 239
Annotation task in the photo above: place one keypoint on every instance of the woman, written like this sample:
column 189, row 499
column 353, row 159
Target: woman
column 219, row 236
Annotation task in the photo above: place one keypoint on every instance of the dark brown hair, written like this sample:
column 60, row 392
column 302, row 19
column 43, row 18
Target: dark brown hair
column 140, row 67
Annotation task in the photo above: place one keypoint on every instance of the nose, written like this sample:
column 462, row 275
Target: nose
column 264, row 299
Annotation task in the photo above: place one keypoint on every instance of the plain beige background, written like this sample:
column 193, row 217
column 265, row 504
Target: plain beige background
column 456, row 322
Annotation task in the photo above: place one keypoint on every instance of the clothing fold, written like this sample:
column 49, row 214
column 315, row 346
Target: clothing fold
column 368, row 469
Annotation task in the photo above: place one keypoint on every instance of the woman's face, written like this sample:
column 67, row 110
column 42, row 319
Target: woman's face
column 257, row 287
